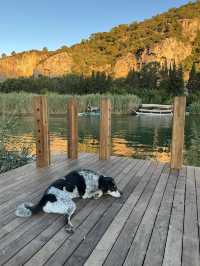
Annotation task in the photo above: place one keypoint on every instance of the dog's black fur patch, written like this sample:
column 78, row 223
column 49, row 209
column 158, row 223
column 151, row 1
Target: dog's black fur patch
column 106, row 184
column 76, row 180
column 43, row 201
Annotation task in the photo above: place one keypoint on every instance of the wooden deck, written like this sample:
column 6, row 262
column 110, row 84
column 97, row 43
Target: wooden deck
column 156, row 222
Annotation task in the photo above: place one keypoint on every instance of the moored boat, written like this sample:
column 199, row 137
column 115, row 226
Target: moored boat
column 155, row 109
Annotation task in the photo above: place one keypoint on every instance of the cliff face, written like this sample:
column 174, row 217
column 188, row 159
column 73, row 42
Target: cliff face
column 55, row 65
column 124, row 65
column 168, row 51
column 20, row 65
column 167, row 38
column 190, row 28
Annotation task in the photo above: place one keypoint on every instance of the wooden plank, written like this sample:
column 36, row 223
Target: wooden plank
column 37, row 195
column 6, row 226
column 14, row 176
column 7, row 211
column 40, row 111
column 105, row 129
column 13, row 222
column 173, row 249
column 119, row 250
column 22, row 185
column 22, row 238
column 59, row 238
column 72, row 115
column 103, row 248
column 156, row 248
column 23, row 255
column 38, row 184
column 84, row 249
column 197, row 181
column 178, row 132
column 37, row 243
column 137, row 251
column 190, row 255
column 71, row 243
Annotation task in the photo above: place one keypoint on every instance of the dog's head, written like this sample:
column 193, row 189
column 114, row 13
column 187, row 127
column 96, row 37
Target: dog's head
column 108, row 186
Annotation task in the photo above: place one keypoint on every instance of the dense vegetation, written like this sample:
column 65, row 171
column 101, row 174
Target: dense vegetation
column 153, row 83
column 13, row 151
column 104, row 48
column 193, row 85
column 21, row 103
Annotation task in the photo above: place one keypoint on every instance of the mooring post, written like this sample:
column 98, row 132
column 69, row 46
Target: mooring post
column 105, row 129
column 72, row 115
column 40, row 112
column 178, row 132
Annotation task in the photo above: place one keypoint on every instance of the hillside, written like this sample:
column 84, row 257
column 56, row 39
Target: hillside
column 165, row 38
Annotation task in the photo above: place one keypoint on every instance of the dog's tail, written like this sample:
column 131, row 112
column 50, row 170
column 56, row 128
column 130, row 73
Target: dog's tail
column 28, row 209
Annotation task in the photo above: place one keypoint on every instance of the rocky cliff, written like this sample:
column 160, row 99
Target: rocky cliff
column 55, row 65
column 169, row 37
column 21, row 65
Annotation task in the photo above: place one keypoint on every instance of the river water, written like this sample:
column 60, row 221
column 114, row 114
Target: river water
column 142, row 136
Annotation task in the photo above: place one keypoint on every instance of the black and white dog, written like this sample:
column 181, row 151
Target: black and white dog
column 58, row 196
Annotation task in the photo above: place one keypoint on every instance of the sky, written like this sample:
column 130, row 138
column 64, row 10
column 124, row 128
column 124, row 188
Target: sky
column 34, row 24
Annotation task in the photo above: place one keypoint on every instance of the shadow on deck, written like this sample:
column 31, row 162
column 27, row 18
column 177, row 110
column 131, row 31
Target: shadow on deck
column 156, row 222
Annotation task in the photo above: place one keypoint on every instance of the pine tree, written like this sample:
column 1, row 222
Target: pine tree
column 191, row 85
column 176, row 81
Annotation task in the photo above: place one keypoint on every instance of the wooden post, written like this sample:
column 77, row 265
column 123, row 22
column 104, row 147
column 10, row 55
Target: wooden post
column 72, row 114
column 178, row 132
column 40, row 110
column 105, row 129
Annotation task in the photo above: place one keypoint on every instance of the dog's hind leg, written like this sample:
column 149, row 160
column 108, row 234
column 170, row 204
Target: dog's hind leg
column 68, row 215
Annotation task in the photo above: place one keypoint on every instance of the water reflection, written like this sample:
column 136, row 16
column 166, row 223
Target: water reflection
column 146, row 137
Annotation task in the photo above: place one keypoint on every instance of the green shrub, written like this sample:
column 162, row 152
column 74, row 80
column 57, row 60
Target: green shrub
column 20, row 153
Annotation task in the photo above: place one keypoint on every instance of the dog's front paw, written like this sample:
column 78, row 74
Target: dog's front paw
column 69, row 229
column 98, row 195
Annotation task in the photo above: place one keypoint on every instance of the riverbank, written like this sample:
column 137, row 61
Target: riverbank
column 21, row 103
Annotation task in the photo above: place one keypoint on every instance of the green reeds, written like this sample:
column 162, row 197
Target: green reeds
column 21, row 103
column 195, row 108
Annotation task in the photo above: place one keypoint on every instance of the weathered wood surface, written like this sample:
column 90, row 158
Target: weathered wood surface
column 72, row 116
column 178, row 132
column 105, row 129
column 154, row 223
column 40, row 111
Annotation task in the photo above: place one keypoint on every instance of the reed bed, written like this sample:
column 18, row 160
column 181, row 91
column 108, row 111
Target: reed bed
column 21, row 103
column 195, row 108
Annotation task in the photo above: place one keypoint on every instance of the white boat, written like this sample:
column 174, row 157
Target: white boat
column 89, row 114
column 155, row 109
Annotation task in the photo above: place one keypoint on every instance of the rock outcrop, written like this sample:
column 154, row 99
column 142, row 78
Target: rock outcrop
column 55, row 65
column 124, row 65
column 21, row 65
column 170, row 50
column 190, row 28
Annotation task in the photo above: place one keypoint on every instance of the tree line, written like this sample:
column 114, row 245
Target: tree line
column 152, row 83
